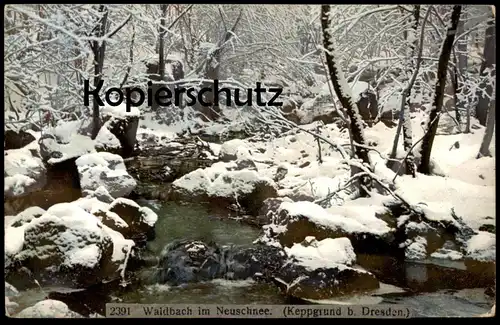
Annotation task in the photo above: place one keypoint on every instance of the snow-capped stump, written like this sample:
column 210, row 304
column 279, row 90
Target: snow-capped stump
column 140, row 220
column 323, row 269
column 294, row 221
column 107, row 170
column 123, row 125
column 66, row 245
column 48, row 309
column 230, row 150
column 107, row 141
column 24, row 173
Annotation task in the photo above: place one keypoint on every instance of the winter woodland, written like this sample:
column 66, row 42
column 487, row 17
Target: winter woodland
column 376, row 175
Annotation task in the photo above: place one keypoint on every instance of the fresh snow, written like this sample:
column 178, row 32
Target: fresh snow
column 482, row 247
column 326, row 253
column 322, row 217
column 119, row 111
column 107, row 170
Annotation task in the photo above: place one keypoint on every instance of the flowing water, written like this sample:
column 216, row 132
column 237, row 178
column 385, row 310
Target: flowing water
column 196, row 222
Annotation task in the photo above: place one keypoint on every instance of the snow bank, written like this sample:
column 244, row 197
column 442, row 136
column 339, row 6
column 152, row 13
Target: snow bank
column 436, row 196
column 107, row 170
column 326, row 253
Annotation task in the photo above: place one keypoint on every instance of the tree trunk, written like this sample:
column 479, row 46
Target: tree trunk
column 432, row 125
column 343, row 92
column 407, row 132
column 487, row 67
column 99, row 51
column 488, row 133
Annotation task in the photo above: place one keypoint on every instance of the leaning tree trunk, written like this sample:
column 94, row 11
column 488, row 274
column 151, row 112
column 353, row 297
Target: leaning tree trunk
column 343, row 92
column 487, row 67
column 432, row 125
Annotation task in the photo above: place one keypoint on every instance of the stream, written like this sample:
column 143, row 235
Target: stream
column 197, row 222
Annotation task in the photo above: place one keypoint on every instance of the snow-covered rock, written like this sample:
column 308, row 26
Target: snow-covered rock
column 323, row 269
column 54, row 151
column 315, row 254
column 23, row 172
column 107, row 170
column 140, row 220
column 67, row 244
column 417, row 249
column 294, row 221
column 121, row 125
column 230, row 150
column 245, row 188
column 482, row 247
column 107, row 141
column 48, row 309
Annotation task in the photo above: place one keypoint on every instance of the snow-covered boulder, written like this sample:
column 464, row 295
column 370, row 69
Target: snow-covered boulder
column 55, row 150
column 107, row 170
column 122, row 125
column 23, row 172
column 100, row 193
column 48, row 309
column 230, row 150
column 140, row 221
column 294, row 221
column 482, row 247
column 323, row 269
column 311, row 270
column 66, row 244
column 245, row 188
column 107, row 141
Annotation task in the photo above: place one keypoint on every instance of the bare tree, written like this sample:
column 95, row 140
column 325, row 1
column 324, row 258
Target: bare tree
column 343, row 92
column 432, row 124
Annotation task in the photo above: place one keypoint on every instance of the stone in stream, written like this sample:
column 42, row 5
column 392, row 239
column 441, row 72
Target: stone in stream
column 291, row 222
column 310, row 270
column 104, row 169
column 76, row 244
column 244, row 188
